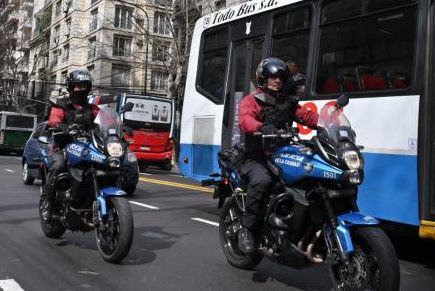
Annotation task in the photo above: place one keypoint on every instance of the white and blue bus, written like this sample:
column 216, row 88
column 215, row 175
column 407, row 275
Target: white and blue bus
column 379, row 52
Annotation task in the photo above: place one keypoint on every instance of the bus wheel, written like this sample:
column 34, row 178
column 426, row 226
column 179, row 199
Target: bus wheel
column 26, row 178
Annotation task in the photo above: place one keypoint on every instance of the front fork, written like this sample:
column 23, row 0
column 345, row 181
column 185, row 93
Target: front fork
column 333, row 237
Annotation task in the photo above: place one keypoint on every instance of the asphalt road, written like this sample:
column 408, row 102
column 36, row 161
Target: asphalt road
column 175, row 246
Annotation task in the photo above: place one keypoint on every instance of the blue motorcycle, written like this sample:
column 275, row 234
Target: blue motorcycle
column 311, row 215
column 88, row 195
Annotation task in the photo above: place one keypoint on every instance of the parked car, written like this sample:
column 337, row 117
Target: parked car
column 36, row 157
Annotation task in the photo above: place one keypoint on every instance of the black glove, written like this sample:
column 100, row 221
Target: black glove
column 62, row 127
column 267, row 129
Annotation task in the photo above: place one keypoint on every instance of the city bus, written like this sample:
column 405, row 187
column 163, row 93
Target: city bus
column 15, row 130
column 379, row 53
column 150, row 126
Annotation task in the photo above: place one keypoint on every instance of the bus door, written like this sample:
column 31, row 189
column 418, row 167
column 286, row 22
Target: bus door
column 248, row 48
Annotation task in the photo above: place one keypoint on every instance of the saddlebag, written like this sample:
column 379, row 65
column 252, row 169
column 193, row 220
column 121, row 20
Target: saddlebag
column 233, row 157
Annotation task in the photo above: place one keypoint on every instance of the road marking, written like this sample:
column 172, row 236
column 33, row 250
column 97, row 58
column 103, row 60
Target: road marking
column 85, row 272
column 146, row 174
column 175, row 175
column 9, row 170
column 144, row 205
column 205, row 221
column 10, row 285
column 178, row 185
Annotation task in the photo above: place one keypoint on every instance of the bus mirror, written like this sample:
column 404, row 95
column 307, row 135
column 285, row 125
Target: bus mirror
column 127, row 107
column 43, row 139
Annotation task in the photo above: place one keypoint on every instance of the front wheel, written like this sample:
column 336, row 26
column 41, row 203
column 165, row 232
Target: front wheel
column 51, row 227
column 374, row 263
column 229, row 227
column 115, row 234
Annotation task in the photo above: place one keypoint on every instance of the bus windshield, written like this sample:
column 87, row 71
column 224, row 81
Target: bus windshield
column 149, row 114
column 19, row 121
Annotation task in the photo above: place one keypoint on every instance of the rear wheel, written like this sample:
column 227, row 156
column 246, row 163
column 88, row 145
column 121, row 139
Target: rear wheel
column 229, row 227
column 374, row 263
column 26, row 178
column 115, row 236
column 52, row 227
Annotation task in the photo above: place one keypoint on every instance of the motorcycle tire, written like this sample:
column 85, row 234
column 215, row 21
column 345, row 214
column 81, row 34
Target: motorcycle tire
column 114, row 242
column 51, row 228
column 374, row 261
column 228, row 233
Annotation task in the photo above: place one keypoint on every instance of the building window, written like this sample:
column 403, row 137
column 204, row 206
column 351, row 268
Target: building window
column 159, row 80
column 67, row 27
column 164, row 2
column 66, row 53
column 161, row 23
column 57, row 8
column 63, row 77
column 94, row 20
column 160, row 51
column 121, row 46
column 91, row 71
column 56, row 35
column 120, row 75
column 123, row 17
column 92, row 48
column 55, row 58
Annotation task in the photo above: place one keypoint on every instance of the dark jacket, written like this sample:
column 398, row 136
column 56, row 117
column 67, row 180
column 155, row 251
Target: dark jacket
column 64, row 112
column 260, row 108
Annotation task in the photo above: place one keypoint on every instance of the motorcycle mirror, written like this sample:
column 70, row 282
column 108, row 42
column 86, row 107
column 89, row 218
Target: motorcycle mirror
column 342, row 101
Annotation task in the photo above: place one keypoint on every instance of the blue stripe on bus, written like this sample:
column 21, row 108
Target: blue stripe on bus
column 198, row 161
column 389, row 190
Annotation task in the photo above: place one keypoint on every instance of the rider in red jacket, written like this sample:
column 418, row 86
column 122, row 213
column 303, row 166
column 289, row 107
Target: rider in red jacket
column 266, row 110
column 67, row 111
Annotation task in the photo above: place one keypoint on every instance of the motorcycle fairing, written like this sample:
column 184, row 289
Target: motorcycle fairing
column 79, row 152
column 347, row 220
column 106, row 193
column 296, row 165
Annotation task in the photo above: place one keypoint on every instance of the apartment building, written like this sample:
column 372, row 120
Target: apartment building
column 126, row 45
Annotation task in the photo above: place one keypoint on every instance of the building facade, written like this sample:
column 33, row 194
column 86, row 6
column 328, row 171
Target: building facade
column 126, row 45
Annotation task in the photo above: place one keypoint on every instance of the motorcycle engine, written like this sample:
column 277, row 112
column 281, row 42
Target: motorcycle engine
column 279, row 219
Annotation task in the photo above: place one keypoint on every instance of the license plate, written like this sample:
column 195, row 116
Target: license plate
column 145, row 148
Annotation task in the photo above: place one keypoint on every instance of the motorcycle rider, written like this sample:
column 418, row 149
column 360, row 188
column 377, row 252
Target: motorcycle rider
column 266, row 110
column 68, row 111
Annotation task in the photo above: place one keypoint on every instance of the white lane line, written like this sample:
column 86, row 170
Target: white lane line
column 205, row 221
column 10, row 285
column 144, row 205
column 9, row 170
column 146, row 174
column 175, row 175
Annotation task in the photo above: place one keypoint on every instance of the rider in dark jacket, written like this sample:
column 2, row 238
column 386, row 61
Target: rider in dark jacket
column 67, row 111
column 266, row 110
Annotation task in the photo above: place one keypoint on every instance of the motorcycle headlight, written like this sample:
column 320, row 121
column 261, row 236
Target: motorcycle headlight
column 114, row 149
column 353, row 160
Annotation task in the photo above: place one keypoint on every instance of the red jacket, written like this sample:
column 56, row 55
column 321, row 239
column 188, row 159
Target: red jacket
column 250, row 109
column 58, row 114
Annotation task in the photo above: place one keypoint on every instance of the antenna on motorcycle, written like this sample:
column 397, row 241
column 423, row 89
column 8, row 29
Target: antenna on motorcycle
column 342, row 101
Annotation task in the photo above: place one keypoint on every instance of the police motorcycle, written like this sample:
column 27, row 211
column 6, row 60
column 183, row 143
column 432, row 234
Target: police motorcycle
column 88, row 195
column 310, row 216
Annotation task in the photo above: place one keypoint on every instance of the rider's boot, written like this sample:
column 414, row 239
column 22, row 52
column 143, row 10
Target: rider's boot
column 47, row 204
column 246, row 240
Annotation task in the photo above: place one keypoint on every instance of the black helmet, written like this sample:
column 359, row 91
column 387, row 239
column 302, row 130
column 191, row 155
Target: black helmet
column 271, row 67
column 78, row 76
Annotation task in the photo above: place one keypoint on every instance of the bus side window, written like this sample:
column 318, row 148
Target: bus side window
column 213, row 63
